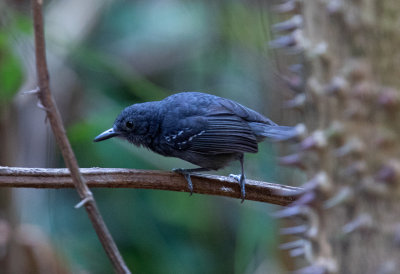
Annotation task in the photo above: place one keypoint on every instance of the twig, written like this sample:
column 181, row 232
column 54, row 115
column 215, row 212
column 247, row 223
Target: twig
column 55, row 120
column 147, row 179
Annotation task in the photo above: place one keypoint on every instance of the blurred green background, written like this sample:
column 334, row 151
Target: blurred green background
column 103, row 56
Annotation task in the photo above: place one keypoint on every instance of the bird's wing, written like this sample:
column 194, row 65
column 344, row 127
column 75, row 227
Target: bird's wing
column 249, row 115
column 214, row 134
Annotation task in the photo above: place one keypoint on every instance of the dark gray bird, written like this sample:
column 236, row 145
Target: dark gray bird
column 203, row 129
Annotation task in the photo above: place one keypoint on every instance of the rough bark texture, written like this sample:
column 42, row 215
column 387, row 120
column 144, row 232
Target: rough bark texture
column 148, row 179
column 351, row 52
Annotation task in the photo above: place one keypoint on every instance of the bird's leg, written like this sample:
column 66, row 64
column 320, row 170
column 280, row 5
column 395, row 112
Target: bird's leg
column 187, row 172
column 241, row 179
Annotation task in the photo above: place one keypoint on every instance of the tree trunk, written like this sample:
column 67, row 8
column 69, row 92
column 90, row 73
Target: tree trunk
column 352, row 55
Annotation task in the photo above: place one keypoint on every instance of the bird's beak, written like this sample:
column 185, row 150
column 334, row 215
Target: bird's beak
column 109, row 133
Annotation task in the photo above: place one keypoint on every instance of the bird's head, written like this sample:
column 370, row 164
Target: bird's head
column 135, row 124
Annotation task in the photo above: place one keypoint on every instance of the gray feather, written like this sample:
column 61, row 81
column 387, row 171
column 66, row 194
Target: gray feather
column 275, row 132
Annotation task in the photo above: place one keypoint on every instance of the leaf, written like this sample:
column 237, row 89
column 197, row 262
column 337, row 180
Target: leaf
column 10, row 70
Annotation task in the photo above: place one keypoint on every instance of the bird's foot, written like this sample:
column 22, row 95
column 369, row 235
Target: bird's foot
column 242, row 182
column 185, row 174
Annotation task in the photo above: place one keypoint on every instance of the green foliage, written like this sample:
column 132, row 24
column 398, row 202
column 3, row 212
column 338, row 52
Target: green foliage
column 10, row 68
column 11, row 71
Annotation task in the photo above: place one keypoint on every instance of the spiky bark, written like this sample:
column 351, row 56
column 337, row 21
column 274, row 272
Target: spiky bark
column 351, row 206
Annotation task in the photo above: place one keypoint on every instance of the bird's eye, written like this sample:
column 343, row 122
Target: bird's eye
column 129, row 124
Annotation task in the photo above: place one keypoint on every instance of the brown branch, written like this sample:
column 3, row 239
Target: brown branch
column 147, row 179
column 55, row 120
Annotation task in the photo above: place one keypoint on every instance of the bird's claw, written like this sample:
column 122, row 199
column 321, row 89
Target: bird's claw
column 242, row 182
column 235, row 176
column 185, row 174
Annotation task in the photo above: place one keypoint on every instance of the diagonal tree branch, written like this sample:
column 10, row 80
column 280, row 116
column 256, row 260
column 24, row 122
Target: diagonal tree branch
column 55, row 120
column 148, row 179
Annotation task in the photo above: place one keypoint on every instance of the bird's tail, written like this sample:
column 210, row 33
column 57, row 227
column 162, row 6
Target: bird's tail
column 274, row 132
